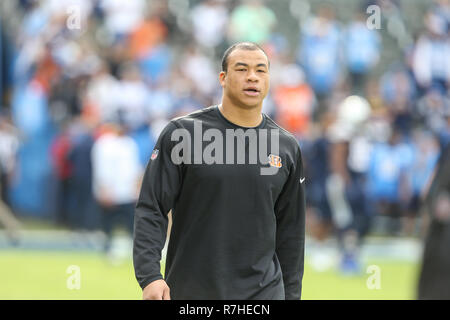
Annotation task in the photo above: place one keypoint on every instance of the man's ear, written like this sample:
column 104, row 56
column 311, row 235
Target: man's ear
column 222, row 76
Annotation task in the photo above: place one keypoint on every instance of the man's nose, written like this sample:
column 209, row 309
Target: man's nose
column 252, row 76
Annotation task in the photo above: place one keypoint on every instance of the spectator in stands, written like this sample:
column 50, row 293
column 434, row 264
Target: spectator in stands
column 86, row 215
column 387, row 178
column 148, row 34
column 425, row 157
column 444, row 133
column 156, row 65
column 60, row 149
column 100, row 100
column 197, row 67
column 9, row 143
column 362, row 51
column 432, row 109
column 121, row 18
column 209, row 22
column 251, row 21
column 319, row 54
column 294, row 100
column 133, row 97
column 398, row 94
column 116, row 174
column 320, row 226
column 430, row 61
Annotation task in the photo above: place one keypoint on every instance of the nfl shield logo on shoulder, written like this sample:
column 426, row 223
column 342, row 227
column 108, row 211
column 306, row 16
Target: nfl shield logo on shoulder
column 154, row 154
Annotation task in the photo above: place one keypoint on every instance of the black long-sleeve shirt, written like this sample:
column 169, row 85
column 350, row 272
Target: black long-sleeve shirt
column 236, row 233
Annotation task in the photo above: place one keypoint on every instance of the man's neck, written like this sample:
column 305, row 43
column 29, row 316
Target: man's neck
column 248, row 118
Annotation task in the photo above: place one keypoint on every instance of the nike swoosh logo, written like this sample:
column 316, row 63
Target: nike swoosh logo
column 302, row 179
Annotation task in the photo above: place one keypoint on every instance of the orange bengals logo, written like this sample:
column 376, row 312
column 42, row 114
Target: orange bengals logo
column 275, row 161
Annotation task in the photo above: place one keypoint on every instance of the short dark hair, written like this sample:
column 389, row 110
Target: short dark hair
column 251, row 46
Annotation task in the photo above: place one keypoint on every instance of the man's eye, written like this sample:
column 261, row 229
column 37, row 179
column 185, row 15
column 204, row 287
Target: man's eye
column 261, row 71
column 240, row 69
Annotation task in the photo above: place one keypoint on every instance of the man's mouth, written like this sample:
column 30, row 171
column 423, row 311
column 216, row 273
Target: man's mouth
column 251, row 91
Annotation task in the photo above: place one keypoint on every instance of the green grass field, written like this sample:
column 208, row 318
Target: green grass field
column 43, row 275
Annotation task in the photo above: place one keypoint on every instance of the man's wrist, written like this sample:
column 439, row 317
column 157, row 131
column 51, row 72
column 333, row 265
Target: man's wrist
column 149, row 280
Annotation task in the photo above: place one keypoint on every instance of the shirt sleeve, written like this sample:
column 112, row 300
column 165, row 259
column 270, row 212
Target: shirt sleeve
column 290, row 237
column 160, row 187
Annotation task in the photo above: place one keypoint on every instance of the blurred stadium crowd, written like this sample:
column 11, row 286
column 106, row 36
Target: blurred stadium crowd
column 88, row 82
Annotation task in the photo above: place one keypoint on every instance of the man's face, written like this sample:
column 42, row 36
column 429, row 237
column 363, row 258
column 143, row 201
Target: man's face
column 246, row 81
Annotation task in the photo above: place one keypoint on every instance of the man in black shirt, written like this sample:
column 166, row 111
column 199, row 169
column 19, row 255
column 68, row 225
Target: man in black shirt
column 234, row 182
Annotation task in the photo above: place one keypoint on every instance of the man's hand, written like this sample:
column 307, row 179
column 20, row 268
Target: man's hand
column 104, row 198
column 156, row 290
